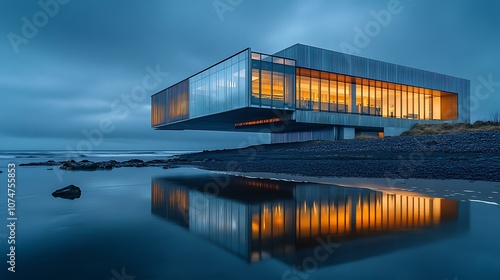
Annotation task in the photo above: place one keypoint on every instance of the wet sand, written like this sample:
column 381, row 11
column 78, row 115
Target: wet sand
column 475, row 191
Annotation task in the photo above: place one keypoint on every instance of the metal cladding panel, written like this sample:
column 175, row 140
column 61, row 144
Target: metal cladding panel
column 303, row 136
column 335, row 62
column 355, row 120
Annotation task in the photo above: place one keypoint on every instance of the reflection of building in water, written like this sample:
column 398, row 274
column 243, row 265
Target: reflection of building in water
column 348, row 212
column 174, row 201
column 256, row 218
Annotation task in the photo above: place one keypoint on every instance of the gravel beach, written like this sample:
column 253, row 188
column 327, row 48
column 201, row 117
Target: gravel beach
column 468, row 156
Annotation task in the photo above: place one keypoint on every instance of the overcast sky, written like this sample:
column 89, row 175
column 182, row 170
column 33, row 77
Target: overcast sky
column 63, row 75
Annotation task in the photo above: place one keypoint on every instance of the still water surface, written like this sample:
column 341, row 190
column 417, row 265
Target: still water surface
column 186, row 223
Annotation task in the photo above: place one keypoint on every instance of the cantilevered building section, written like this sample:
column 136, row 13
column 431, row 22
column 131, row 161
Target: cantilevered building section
column 305, row 93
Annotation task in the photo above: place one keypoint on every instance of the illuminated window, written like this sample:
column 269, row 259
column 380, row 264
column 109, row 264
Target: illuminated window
column 385, row 100
column 325, row 93
column 392, row 100
column 422, row 109
column 305, row 92
column 436, row 105
column 332, row 92
column 410, row 103
column 371, row 98
column 341, row 93
column 397, row 102
column 348, row 94
column 273, row 81
column 315, row 101
column 378, row 99
column 404, row 102
column 416, row 103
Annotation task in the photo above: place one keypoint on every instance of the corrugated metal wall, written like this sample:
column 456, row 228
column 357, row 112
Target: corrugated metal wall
column 302, row 136
column 331, row 61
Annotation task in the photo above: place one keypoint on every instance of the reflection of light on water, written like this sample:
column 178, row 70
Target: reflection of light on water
column 264, row 212
column 278, row 208
column 279, row 227
column 482, row 201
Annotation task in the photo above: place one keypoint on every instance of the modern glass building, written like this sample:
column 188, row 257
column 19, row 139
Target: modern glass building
column 307, row 93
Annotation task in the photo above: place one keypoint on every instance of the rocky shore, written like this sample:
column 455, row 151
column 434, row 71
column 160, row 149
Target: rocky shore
column 468, row 156
column 87, row 165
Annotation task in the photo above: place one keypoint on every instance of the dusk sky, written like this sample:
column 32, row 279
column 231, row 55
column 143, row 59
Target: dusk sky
column 67, row 71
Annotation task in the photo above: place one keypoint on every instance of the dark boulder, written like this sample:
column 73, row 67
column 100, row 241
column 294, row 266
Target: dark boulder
column 82, row 165
column 105, row 165
column 47, row 163
column 134, row 161
column 89, row 166
column 69, row 165
column 69, row 192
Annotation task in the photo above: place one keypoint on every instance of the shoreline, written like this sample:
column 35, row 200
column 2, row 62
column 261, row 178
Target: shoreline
column 478, row 191
column 468, row 156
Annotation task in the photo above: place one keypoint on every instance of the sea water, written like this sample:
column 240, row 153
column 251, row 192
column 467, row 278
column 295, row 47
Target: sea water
column 185, row 223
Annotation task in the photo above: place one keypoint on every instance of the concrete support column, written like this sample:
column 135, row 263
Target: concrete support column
column 346, row 132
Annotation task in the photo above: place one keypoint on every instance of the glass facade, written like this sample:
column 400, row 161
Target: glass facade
column 401, row 101
column 322, row 91
column 273, row 80
column 220, row 88
column 170, row 105
column 158, row 105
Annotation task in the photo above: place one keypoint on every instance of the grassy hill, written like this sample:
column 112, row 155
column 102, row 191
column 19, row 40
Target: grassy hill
column 452, row 128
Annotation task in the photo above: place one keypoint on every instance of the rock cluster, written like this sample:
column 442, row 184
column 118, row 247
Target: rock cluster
column 87, row 165
column 69, row 192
